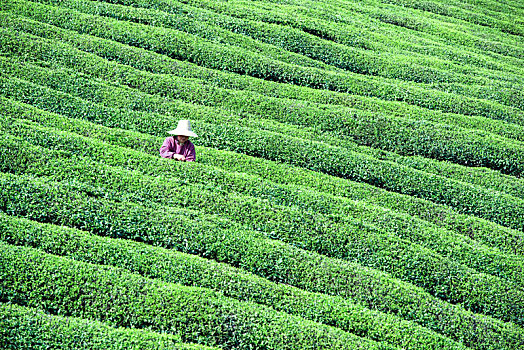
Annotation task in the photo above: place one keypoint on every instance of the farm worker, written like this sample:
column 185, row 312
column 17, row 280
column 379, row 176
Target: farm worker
column 178, row 146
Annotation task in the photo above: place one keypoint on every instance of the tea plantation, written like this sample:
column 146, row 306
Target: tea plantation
column 358, row 184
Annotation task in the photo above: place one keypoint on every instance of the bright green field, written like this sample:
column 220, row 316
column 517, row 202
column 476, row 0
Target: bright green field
column 358, row 184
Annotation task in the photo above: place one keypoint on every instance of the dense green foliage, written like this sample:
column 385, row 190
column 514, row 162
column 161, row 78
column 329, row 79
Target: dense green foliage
column 293, row 228
column 353, row 126
column 31, row 329
column 180, row 45
column 125, row 299
column 171, row 266
column 358, row 182
column 84, row 207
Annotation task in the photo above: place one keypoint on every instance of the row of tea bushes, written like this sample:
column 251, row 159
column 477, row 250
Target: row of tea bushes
column 121, row 97
column 57, row 54
column 483, row 231
column 324, row 19
column 483, row 177
column 187, row 47
column 322, row 157
column 453, row 31
column 509, row 96
column 146, row 121
column 473, row 14
column 224, row 241
column 371, row 248
column 491, row 234
column 123, row 299
column 292, row 40
column 24, row 328
column 99, row 203
column 190, row 25
column 426, row 138
column 331, row 217
column 175, row 267
column 444, row 30
column 290, row 225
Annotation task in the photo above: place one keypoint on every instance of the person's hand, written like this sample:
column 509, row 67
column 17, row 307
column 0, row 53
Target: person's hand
column 179, row 157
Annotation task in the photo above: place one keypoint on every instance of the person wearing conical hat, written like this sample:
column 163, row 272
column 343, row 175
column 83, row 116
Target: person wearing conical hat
column 178, row 146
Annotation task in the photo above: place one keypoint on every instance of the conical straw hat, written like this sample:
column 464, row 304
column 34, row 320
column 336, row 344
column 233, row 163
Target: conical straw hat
column 183, row 128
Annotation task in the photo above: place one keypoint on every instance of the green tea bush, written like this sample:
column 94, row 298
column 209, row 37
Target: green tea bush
column 151, row 223
column 120, row 298
column 280, row 263
column 344, row 22
column 59, row 55
column 292, row 40
column 327, row 214
column 484, row 231
column 109, row 154
column 175, row 267
column 194, row 26
column 436, row 29
column 310, row 196
column 376, row 130
column 333, row 161
column 469, row 14
column 32, row 329
column 184, row 46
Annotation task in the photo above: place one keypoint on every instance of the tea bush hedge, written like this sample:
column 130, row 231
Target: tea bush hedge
column 184, row 46
column 344, row 23
column 467, row 13
column 375, row 130
column 174, row 267
column 224, row 241
column 83, row 207
column 330, row 216
column 24, row 328
column 146, row 60
column 358, row 181
column 292, row 40
column 337, row 161
column 120, row 298
column 493, row 235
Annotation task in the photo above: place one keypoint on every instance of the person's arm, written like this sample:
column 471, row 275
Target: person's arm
column 167, row 147
column 191, row 154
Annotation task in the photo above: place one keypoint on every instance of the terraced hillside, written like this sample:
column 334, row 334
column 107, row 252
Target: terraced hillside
column 358, row 183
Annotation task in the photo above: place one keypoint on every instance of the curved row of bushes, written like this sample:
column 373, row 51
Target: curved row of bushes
column 292, row 40
column 123, row 299
column 188, row 47
column 324, row 20
column 284, row 248
column 478, row 229
column 316, row 156
column 502, row 95
column 295, row 227
column 187, row 24
column 433, row 140
column 301, row 214
column 446, row 30
column 452, row 31
column 23, row 328
column 471, row 227
column 121, row 97
column 483, row 177
column 222, row 240
column 483, row 231
column 172, row 266
column 470, row 14
column 56, row 53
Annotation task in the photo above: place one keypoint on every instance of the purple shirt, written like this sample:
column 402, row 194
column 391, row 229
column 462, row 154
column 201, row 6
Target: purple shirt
column 171, row 147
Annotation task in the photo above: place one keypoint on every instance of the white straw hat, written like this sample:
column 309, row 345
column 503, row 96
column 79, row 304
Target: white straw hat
column 183, row 129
